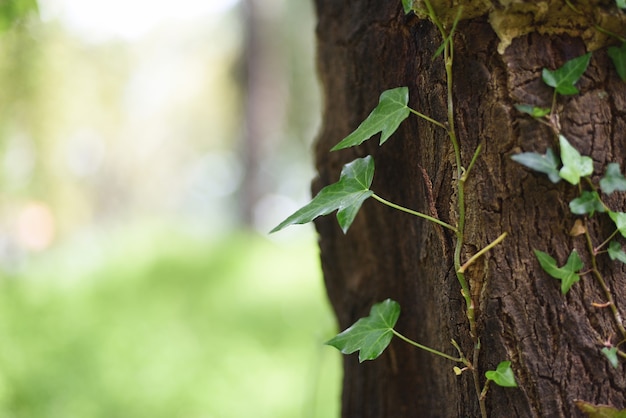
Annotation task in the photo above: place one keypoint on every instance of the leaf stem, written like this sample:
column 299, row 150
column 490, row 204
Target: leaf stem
column 607, row 292
column 415, row 213
column 473, row 258
column 429, row 119
column 606, row 241
column 471, row 164
column 430, row 350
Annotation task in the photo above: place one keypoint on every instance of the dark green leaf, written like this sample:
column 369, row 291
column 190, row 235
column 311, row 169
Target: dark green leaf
column 503, row 375
column 392, row 109
column 568, row 274
column 618, row 56
column 370, row 335
column 346, row 196
column 587, row 203
column 616, row 252
column 619, row 218
column 564, row 78
column 600, row 411
column 611, row 355
column 534, row 111
column 613, row 179
column 575, row 166
column 548, row 163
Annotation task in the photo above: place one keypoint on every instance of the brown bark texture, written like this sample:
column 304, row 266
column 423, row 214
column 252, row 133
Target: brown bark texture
column 553, row 340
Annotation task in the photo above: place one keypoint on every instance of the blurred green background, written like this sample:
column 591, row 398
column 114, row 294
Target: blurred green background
column 146, row 148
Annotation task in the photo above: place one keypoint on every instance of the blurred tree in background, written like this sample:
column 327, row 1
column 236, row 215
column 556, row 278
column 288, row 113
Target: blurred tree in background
column 132, row 177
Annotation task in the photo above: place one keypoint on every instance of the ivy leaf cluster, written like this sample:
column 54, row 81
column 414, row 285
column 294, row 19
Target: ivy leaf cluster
column 572, row 165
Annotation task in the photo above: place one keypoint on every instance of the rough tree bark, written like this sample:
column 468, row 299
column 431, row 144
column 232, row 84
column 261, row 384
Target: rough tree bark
column 553, row 341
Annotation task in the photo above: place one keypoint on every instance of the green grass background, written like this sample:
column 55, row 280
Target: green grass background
column 156, row 323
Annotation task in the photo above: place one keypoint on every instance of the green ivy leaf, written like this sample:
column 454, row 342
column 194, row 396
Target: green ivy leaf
column 534, row 111
column 611, row 355
column 619, row 218
column 346, row 196
column 616, row 252
column 503, row 375
column 408, row 6
column 618, row 56
column 564, row 78
column 568, row 274
column 548, row 163
column 600, row 411
column 575, row 166
column 392, row 109
column 621, row 4
column 370, row 335
column 613, row 179
column 588, row 202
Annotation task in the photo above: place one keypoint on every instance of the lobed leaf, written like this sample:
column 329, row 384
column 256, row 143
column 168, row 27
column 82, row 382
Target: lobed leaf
column 616, row 252
column 346, row 196
column 619, row 218
column 618, row 56
column 587, row 203
column 503, row 375
column 534, row 111
column 600, row 411
column 564, row 78
column 568, row 274
column 575, row 166
column 392, row 109
column 369, row 335
column 547, row 163
column 611, row 355
column 613, row 179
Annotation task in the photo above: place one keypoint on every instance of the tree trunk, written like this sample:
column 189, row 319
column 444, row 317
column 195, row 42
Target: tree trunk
column 553, row 340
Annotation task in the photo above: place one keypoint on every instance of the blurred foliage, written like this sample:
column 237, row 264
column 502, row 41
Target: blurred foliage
column 229, row 329
column 15, row 11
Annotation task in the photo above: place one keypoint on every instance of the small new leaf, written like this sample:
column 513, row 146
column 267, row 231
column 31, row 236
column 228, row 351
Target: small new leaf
column 564, row 78
column 619, row 218
column 370, row 335
column 534, row 111
column 618, row 56
column 547, row 163
column 616, row 252
column 600, row 411
column 575, row 166
column 613, row 179
column 611, row 355
column 346, row 196
column 587, row 203
column 503, row 375
column 568, row 274
column 392, row 109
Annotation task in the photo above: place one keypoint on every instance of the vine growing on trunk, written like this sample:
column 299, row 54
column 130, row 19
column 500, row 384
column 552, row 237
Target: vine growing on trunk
column 371, row 335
